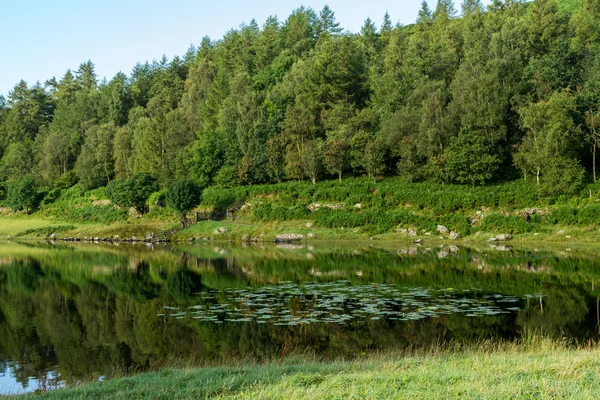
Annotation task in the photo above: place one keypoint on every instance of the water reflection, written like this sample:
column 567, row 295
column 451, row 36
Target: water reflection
column 80, row 312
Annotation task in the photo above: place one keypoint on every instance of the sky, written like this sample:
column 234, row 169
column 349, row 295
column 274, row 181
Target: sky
column 41, row 39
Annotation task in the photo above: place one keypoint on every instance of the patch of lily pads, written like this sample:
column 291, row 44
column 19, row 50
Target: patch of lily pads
column 289, row 304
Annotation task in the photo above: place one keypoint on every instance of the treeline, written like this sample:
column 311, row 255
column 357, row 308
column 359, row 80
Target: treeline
column 507, row 90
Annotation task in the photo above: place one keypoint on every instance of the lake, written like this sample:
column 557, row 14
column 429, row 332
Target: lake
column 79, row 312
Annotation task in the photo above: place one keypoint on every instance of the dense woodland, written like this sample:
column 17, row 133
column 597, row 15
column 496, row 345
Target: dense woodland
column 509, row 91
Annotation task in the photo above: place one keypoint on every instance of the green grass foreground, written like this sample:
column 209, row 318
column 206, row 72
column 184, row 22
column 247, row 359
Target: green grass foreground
column 538, row 371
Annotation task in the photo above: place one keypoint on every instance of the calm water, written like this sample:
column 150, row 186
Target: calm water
column 71, row 313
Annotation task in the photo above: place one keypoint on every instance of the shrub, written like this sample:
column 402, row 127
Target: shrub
column 23, row 194
column 183, row 196
column 132, row 192
column 507, row 224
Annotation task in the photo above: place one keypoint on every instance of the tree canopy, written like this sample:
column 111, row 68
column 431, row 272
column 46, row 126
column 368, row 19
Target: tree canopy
column 467, row 98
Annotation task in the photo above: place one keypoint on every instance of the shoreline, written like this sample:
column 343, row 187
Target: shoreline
column 536, row 368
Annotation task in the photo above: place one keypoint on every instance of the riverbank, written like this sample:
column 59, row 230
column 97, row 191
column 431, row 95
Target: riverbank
column 538, row 369
column 356, row 209
column 245, row 229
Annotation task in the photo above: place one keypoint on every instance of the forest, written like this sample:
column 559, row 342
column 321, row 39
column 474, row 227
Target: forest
column 482, row 94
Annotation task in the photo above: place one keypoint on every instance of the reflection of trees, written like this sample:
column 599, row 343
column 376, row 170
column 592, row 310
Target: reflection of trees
column 94, row 325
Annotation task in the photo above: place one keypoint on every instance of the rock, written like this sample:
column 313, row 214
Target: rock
column 453, row 248
column 561, row 232
column 97, row 203
column 9, row 237
column 53, row 236
column 116, row 238
column 427, row 233
column 568, row 237
column 96, row 239
column 453, row 235
column 443, row 230
column 288, row 237
column 412, row 232
column 309, row 225
column 418, row 241
column 134, row 239
column 223, row 229
column 245, row 238
column 216, row 232
column 311, row 235
column 493, row 239
column 504, row 237
column 443, row 254
column 358, row 205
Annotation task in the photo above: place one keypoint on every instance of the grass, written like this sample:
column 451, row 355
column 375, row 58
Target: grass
column 357, row 208
column 539, row 369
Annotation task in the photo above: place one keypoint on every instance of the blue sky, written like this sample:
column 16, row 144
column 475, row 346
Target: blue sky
column 41, row 39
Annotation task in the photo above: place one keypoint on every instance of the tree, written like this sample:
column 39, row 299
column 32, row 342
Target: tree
column 551, row 140
column 326, row 23
column 132, row 192
column 95, row 164
column 17, row 161
column 183, row 196
column 469, row 159
column 470, row 7
column 311, row 159
column 23, row 194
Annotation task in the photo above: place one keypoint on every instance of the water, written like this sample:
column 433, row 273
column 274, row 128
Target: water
column 72, row 313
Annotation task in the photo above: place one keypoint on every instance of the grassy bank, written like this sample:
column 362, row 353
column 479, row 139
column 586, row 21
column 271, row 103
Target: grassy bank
column 357, row 208
column 538, row 370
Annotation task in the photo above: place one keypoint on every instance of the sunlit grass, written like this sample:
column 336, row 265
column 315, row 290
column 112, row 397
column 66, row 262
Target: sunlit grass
column 535, row 368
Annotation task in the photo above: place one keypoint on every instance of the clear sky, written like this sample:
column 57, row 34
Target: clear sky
column 41, row 39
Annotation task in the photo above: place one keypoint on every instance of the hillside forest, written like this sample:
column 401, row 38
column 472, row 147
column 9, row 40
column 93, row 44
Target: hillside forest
column 471, row 96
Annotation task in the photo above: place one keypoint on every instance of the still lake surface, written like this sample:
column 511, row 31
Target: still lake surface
column 75, row 312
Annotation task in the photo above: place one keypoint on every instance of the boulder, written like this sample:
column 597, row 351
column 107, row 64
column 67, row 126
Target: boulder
column 288, row 237
column 223, row 229
column 443, row 230
column 412, row 232
column 453, row 235
column 311, row 235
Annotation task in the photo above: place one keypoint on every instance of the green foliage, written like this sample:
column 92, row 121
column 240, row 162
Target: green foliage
column 499, row 223
column 508, row 87
column 132, row 192
column 469, row 159
column 566, row 215
column 183, row 196
column 23, row 194
column 46, row 231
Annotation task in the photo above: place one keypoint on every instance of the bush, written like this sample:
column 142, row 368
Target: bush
column 132, row 192
column 183, row 196
column 507, row 224
column 564, row 215
column 23, row 194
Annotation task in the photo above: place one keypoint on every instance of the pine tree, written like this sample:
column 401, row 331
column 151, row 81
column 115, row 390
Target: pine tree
column 326, row 23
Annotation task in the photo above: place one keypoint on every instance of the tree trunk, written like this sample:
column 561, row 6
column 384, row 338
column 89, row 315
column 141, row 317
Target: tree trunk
column 538, row 176
column 340, row 176
column 594, row 157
